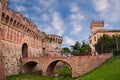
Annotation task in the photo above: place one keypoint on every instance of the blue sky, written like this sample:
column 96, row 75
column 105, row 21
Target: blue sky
column 69, row 18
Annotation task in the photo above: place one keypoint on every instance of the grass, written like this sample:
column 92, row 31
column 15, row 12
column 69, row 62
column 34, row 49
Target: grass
column 36, row 77
column 109, row 71
column 64, row 71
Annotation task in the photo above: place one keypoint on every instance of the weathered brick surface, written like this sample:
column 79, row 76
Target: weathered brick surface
column 2, row 72
column 41, row 48
column 79, row 64
column 16, row 30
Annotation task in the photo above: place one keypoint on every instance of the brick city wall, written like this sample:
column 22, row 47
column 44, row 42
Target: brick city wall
column 15, row 31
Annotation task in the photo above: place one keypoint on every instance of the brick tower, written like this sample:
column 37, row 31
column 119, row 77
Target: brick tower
column 2, row 72
column 96, row 25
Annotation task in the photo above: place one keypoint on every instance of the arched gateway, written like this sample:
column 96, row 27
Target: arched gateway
column 30, row 67
column 51, row 66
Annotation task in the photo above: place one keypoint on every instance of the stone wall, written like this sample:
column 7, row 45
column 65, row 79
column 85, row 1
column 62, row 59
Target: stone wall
column 2, row 72
column 11, row 54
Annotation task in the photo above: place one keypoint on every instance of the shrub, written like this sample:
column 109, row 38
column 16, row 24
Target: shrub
column 116, row 52
column 65, row 72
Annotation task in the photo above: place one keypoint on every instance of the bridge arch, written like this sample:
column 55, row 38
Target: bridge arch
column 51, row 66
column 30, row 67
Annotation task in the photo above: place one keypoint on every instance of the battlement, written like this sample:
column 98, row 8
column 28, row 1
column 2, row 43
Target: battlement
column 17, row 21
column 54, row 38
column 96, row 24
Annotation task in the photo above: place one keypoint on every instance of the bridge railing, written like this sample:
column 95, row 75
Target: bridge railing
column 89, row 56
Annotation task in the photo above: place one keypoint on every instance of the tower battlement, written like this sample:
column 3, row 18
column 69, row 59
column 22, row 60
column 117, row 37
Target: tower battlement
column 96, row 23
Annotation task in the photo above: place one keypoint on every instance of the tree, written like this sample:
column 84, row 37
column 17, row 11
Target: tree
column 107, row 43
column 85, row 48
column 104, row 44
column 80, row 49
column 116, row 39
column 66, row 51
column 75, row 49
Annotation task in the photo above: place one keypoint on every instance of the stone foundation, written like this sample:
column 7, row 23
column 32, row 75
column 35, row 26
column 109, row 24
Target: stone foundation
column 11, row 55
column 2, row 73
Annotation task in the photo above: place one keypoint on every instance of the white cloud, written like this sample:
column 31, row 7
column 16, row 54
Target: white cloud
column 108, row 26
column 45, row 17
column 48, row 30
column 20, row 8
column 57, row 23
column 74, row 8
column 37, row 8
column 101, row 5
column 75, row 18
column 76, row 27
column 48, row 4
column 108, row 9
column 68, row 40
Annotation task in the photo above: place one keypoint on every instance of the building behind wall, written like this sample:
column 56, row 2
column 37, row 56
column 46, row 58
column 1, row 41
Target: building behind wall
column 20, row 38
column 97, row 30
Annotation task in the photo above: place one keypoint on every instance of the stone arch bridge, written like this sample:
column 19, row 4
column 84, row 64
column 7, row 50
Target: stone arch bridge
column 79, row 64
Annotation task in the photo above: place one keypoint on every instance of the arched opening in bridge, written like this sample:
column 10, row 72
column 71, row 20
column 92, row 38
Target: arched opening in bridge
column 31, row 68
column 24, row 50
column 59, row 68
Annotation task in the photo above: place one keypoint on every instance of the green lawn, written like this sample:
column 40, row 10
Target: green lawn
column 36, row 77
column 109, row 71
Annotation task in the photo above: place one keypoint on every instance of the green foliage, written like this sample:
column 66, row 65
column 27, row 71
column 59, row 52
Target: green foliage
column 106, row 43
column 80, row 49
column 85, row 47
column 109, row 71
column 116, row 52
column 76, row 46
column 65, row 50
column 64, row 71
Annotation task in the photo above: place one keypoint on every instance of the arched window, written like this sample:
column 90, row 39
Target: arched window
column 11, row 21
column 7, row 19
column 3, row 16
column 14, row 24
column 24, row 50
column 18, row 24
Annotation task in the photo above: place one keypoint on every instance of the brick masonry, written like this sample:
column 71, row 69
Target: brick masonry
column 79, row 64
column 21, row 38
column 21, row 42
